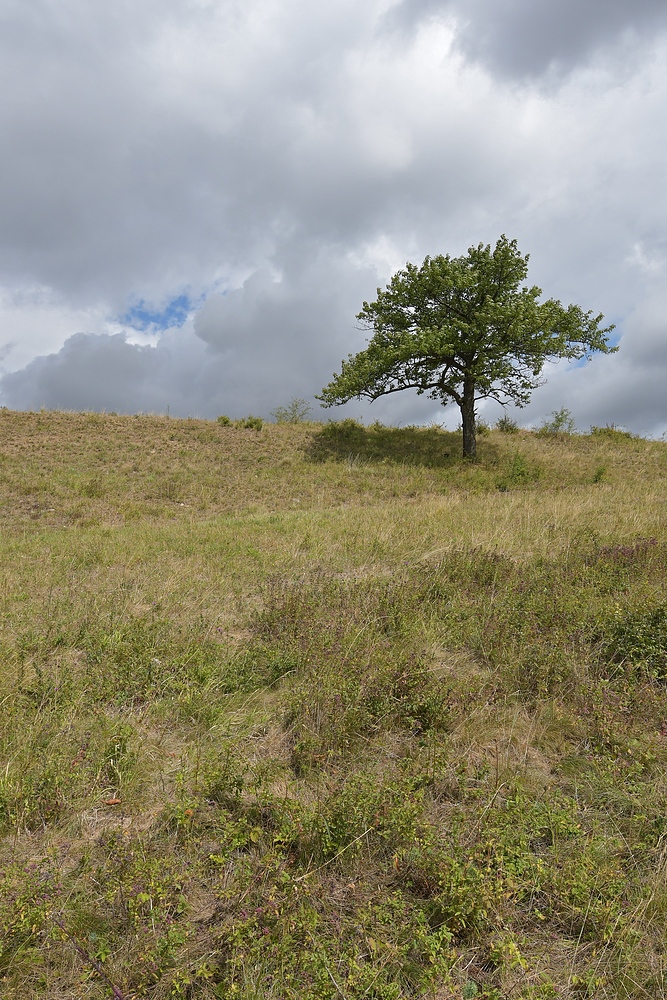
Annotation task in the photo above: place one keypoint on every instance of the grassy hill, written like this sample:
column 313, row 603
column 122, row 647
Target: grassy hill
column 322, row 711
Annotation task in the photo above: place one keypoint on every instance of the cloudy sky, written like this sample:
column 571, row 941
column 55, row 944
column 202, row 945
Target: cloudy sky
column 196, row 196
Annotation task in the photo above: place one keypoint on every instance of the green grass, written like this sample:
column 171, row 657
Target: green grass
column 324, row 711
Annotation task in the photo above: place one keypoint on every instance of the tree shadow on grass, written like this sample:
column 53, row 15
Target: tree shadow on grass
column 347, row 441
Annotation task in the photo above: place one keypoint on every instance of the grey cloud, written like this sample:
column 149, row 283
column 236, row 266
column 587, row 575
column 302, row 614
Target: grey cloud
column 281, row 336
column 626, row 389
column 153, row 145
column 527, row 39
column 276, row 338
column 163, row 147
column 192, row 144
column 104, row 372
column 629, row 388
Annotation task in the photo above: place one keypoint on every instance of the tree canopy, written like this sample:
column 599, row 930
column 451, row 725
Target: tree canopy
column 463, row 329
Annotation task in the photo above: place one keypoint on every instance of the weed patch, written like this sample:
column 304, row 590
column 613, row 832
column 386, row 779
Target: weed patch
column 637, row 640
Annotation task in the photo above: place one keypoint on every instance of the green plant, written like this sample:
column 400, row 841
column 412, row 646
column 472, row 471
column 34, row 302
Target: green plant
column 463, row 329
column 639, row 639
column 346, row 430
column 506, row 425
column 295, row 412
column 250, row 423
column 519, row 472
column 247, row 423
column 118, row 762
column 612, row 432
column 561, row 422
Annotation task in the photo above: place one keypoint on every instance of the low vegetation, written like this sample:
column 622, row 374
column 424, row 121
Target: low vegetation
column 301, row 710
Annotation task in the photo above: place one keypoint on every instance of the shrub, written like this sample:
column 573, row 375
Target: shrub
column 520, row 472
column 295, row 412
column 343, row 430
column 561, row 422
column 248, row 423
column 611, row 431
column 639, row 638
column 506, row 425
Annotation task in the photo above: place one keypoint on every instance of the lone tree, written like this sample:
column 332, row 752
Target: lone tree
column 463, row 329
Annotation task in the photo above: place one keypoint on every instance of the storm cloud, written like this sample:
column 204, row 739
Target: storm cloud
column 200, row 194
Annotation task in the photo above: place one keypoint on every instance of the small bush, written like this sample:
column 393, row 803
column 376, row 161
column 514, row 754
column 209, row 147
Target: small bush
column 343, row 430
column 562, row 422
column 639, row 638
column 296, row 411
column 250, row 423
column 247, row 423
column 506, row 425
column 520, row 472
column 612, row 432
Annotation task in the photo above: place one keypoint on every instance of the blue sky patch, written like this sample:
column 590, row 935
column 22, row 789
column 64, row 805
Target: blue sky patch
column 144, row 317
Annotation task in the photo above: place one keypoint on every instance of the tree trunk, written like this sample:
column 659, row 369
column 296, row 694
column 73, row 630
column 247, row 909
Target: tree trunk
column 468, row 419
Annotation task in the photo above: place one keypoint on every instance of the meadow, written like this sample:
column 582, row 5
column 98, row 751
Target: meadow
column 324, row 711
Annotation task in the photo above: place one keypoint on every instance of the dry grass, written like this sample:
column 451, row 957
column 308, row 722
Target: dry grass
column 318, row 711
column 88, row 468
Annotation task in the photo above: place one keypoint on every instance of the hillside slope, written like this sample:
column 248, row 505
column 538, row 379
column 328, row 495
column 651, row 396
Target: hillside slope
column 321, row 710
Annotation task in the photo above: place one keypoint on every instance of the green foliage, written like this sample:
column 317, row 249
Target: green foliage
column 461, row 329
column 561, row 422
column 246, row 423
column 638, row 639
column 506, row 425
column 250, row 423
column 295, row 412
column 611, row 432
column 520, row 472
